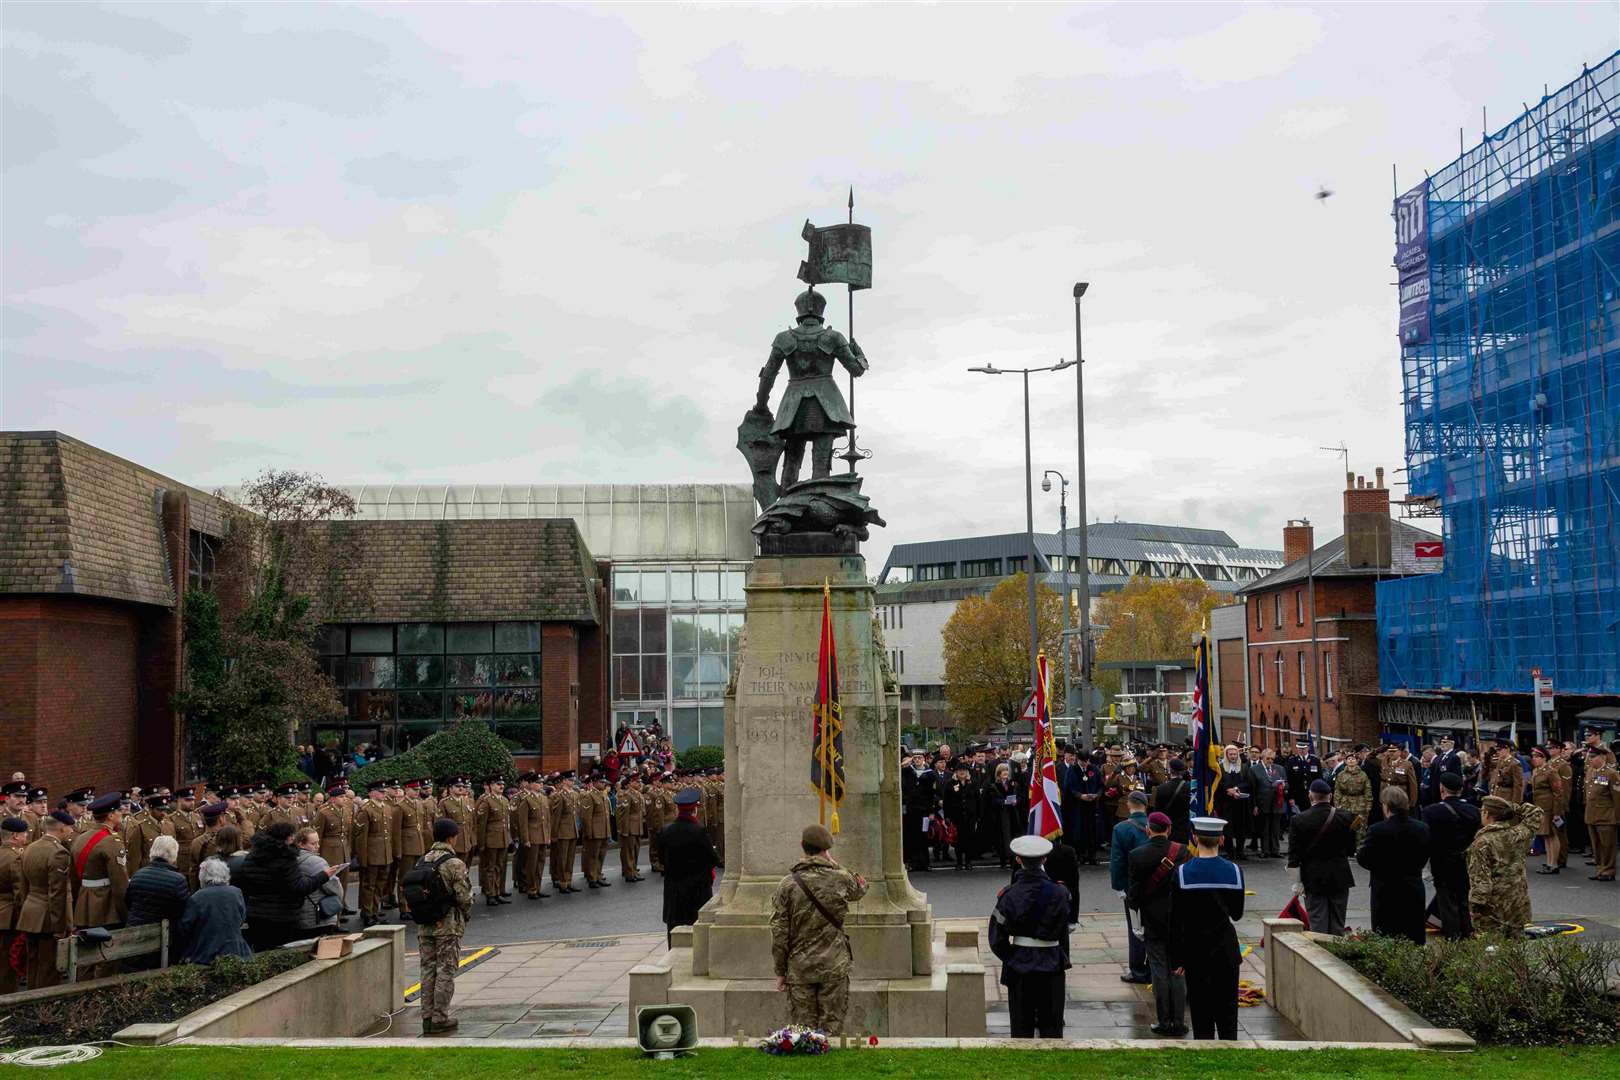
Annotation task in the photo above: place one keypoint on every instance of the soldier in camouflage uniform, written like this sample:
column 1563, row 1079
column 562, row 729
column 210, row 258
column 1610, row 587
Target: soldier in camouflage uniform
column 808, row 944
column 440, row 943
column 1498, row 891
column 1352, row 791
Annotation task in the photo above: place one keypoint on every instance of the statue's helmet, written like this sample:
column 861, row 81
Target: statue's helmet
column 810, row 304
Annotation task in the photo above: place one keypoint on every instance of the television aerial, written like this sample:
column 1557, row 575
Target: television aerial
column 1323, row 194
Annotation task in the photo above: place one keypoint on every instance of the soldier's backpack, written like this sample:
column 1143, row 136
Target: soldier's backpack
column 425, row 892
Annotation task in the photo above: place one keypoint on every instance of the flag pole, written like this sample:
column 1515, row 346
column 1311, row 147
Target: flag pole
column 850, row 451
column 821, row 714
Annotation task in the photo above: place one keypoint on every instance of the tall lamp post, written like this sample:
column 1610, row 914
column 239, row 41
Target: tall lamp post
column 1083, row 689
column 1029, row 505
column 1063, row 539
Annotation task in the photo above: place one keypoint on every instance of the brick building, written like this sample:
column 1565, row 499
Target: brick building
column 500, row 620
column 1291, row 678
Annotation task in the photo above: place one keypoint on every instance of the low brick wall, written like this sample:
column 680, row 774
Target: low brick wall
column 1329, row 1001
column 323, row 998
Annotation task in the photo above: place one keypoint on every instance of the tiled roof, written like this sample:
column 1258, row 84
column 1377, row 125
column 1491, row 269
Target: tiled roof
column 79, row 520
column 1328, row 561
column 433, row 571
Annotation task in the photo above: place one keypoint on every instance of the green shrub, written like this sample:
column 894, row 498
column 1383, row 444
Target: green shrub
column 469, row 749
column 1517, row 992
column 700, row 757
column 168, row 995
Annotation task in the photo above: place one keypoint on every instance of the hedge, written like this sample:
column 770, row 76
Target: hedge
column 468, row 749
column 700, row 757
column 1517, row 991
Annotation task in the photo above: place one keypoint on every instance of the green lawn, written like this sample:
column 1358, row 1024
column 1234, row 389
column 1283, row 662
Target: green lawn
column 459, row 1061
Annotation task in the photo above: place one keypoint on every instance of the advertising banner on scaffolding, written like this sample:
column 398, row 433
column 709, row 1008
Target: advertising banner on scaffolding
column 1412, row 263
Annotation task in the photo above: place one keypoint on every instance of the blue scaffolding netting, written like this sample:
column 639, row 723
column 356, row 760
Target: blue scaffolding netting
column 1511, row 383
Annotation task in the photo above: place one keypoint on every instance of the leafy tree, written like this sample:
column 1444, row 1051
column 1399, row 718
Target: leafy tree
column 986, row 643
column 1150, row 620
column 252, row 672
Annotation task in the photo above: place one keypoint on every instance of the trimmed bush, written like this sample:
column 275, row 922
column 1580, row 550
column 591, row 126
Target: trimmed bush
column 168, row 995
column 469, row 749
column 700, row 757
column 1523, row 992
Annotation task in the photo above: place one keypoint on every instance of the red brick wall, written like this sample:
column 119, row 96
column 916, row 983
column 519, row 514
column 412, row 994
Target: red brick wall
column 1345, row 608
column 71, row 720
column 160, row 726
column 595, row 651
column 559, row 695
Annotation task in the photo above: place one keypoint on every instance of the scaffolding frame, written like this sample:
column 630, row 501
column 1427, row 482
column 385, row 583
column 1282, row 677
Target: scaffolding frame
column 1512, row 410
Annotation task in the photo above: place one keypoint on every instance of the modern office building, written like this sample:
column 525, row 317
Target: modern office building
column 1509, row 262
column 921, row 584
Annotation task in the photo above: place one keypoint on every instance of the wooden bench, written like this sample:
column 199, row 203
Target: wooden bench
column 131, row 941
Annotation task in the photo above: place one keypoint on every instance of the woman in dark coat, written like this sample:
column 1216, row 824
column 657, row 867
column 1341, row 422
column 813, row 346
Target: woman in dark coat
column 689, row 863
column 962, row 809
column 1003, row 808
column 1394, row 853
column 273, row 887
column 212, row 924
column 157, row 891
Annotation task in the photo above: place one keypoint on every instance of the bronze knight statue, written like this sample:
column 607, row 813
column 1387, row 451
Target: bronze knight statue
column 813, row 411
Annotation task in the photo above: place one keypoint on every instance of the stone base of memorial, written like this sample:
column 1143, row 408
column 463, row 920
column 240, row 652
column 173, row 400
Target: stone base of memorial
column 903, row 983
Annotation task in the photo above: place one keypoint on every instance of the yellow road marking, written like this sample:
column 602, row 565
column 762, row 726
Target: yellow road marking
column 479, row 954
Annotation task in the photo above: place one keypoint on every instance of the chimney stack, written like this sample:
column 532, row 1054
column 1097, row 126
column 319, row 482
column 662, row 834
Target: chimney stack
column 1367, row 537
column 1299, row 539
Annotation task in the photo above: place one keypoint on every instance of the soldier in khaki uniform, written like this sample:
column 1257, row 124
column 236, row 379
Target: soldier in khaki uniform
column 184, row 825
column 16, row 799
column 101, row 871
column 440, row 942
column 808, row 945
column 332, row 821
column 141, row 828
column 240, row 801
column 1352, row 791
column 1498, row 891
column 1602, row 809
column 1507, row 775
column 45, row 898
column 394, row 797
column 414, row 827
column 1549, row 793
column 632, row 826
column 36, row 811
column 77, row 805
column 456, row 806
column 1398, row 771
column 660, row 812
column 534, row 823
column 205, row 844
column 564, row 833
column 596, row 830
column 13, row 839
column 371, row 843
column 492, row 833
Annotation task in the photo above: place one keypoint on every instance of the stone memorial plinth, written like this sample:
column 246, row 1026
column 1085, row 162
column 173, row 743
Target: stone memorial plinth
column 903, row 983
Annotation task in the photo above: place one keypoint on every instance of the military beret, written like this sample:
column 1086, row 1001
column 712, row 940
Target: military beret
column 1158, row 820
column 213, row 810
column 1451, row 781
column 816, row 838
column 1321, row 787
column 109, row 801
column 14, row 824
column 62, row 817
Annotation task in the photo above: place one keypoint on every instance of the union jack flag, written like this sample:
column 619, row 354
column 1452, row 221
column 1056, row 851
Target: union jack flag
column 1044, row 799
column 1206, row 755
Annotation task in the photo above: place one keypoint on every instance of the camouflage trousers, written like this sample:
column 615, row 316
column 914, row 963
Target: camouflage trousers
column 822, row 1006
column 439, row 955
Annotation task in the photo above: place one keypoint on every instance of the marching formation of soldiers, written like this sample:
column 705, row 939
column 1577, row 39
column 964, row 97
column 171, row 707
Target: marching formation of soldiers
column 65, row 867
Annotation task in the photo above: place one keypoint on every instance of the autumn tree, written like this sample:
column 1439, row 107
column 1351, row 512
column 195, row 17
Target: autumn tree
column 1150, row 620
column 986, row 644
column 253, row 676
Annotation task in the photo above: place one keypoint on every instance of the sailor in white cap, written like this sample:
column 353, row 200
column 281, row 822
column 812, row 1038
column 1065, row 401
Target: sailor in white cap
column 1029, row 933
column 1206, row 897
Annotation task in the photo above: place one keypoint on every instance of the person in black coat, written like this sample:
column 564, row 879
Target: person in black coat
column 1063, row 867
column 1446, row 760
column 1029, row 934
column 1303, row 768
column 1150, row 866
column 1320, row 843
column 1394, row 853
column 1171, row 799
column 157, row 891
column 918, row 799
column 962, row 805
column 1003, row 808
column 1452, row 824
column 1375, row 782
column 1206, row 898
column 273, row 887
column 689, row 863
column 1234, row 801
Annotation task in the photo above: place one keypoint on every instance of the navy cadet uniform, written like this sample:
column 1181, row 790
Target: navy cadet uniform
column 1206, row 896
column 1029, row 933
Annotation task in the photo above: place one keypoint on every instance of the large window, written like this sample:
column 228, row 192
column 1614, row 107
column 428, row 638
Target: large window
column 1282, row 687
column 1259, row 673
column 1276, row 610
column 1327, row 675
column 201, row 561
column 981, row 567
column 1303, row 683
column 936, row 571
column 403, row 682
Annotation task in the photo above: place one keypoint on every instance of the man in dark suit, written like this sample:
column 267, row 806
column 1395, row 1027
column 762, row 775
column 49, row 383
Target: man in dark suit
column 1320, row 843
column 919, row 797
column 1446, row 760
column 1303, row 767
column 1171, row 799
column 689, row 863
column 1452, row 824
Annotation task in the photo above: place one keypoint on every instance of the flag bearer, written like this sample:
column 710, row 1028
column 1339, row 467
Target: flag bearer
column 1029, row 933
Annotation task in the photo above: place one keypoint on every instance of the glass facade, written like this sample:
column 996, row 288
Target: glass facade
column 676, row 632
column 401, row 682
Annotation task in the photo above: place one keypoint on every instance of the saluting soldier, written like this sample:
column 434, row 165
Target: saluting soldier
column 534, row 815
column 809, row 948
column 101, row 869
column 492, row 824
column 1602, row 809
column 564, row 834
column 205, row 844
column 596, row 820
column 412, row 822
column 13, row 839
column 371, row 843
column 45, row 899
column 184, row 825
column 240, row 801
column 632, row 826
column 1498, row 891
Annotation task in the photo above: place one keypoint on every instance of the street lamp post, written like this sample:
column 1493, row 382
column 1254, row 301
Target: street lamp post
column 1063, row 539
column 1029, row 505
column 1083, row 689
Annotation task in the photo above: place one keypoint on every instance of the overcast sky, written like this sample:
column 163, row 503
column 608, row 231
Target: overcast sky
column 515, row 244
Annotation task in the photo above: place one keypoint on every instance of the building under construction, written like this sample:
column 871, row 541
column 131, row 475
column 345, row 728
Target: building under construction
column 1509, row 263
